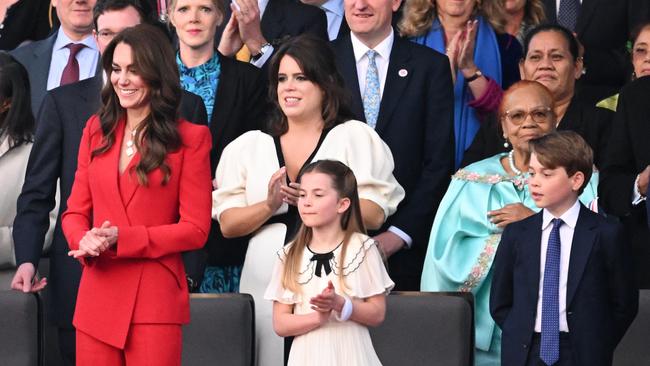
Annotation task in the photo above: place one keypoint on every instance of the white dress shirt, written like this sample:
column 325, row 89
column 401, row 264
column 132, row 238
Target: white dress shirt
column 334, row 11
column 570, row 218
column 87, row 58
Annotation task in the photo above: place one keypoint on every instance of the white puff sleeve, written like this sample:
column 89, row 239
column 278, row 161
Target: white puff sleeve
column 358, row 146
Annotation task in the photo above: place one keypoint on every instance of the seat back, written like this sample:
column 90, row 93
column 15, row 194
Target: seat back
column 426, row 328
column 20, row 328
column 221, row 330
column 633, row 349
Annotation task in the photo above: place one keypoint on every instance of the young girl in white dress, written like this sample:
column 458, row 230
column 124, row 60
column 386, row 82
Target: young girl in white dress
column 330, row 283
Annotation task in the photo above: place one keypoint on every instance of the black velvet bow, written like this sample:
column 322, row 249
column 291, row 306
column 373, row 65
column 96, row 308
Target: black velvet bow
column 322, row 261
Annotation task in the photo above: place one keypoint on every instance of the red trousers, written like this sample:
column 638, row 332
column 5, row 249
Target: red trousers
column 146, row 345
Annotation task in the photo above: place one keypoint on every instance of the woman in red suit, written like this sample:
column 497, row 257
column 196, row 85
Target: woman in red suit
column 141, row 196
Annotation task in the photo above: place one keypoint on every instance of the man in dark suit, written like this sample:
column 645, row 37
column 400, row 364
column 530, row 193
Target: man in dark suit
column 46, row 60
column 413, row 114
column 261, row 26
column 626, row 172
column 603, row 27
column 61, row 120
column 562, row 290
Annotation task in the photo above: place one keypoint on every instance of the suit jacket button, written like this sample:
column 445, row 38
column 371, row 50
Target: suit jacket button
column 525, row 346
column 569, row 313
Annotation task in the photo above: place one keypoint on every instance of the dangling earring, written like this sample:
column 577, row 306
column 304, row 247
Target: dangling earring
column 633, row 75
column 505, row 143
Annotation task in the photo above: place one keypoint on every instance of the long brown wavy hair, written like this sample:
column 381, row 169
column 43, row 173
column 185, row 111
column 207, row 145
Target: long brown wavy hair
column 153, row 58
column 316, row 59
column 345, row 184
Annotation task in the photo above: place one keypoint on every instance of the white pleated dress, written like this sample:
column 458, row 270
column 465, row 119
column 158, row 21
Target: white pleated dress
column 336, row 343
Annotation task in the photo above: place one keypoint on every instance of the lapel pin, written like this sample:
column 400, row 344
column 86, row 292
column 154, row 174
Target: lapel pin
column 402, row 73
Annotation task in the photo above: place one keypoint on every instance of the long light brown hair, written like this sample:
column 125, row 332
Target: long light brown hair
column 418, row 17
column 345, row 184
column 153, row 58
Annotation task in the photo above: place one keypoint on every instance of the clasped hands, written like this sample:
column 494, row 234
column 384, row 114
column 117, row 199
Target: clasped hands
column 327, row 301
column 279, row 192
column 96, row 241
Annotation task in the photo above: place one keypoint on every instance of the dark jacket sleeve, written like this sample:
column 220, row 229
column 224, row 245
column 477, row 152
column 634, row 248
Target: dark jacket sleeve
column 618, row 171
column 501, row 292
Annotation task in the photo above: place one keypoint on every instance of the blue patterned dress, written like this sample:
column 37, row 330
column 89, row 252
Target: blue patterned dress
column 201, row 80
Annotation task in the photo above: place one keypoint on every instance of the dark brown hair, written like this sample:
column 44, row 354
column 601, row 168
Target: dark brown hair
column 316, row 59
column 153, row 59
column 345, row 184
column 17, row 121
column 564, row 149
column 103, row 6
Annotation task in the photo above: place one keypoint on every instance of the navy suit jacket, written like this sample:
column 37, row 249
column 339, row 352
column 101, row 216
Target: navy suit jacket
column 36, row 58
column 416, row 121
column 601, row 299
column 53, row 158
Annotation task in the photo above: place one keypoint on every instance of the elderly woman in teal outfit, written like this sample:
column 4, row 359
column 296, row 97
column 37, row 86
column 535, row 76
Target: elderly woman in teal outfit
column 481, row 200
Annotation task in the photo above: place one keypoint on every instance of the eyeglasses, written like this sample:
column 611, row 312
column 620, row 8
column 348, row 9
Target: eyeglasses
column 106, row 35
column 538, row 115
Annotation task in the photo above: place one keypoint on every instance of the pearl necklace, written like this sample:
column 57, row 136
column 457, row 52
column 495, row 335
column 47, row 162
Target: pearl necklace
column 511, row 161
column 130, row 145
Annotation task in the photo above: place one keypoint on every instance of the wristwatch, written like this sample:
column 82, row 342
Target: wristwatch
column 475, row 76
column 265, row 48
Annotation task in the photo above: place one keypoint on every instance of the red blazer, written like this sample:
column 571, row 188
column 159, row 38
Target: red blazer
column 141, row 279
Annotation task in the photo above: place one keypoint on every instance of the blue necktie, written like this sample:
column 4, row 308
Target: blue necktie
column 371, row 98
column 567, row 16
column 550, row 345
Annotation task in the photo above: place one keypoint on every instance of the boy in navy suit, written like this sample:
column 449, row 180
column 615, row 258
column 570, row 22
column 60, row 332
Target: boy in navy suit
column 562, row 291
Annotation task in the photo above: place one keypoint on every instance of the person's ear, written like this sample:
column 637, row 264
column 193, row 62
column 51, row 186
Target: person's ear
column 577, row 180
column 579, row 68
column 344, row 205
column 5, row 105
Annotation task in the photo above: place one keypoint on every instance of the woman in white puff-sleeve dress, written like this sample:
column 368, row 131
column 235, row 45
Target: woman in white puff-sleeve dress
column 254, row 193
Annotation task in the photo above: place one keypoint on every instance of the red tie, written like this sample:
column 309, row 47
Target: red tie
column 71, row 70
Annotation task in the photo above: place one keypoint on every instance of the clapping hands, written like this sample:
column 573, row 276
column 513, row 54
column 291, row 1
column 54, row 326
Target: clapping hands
column 327, row 301
column 279, row 191
column 460, row 49
column 96, row 241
